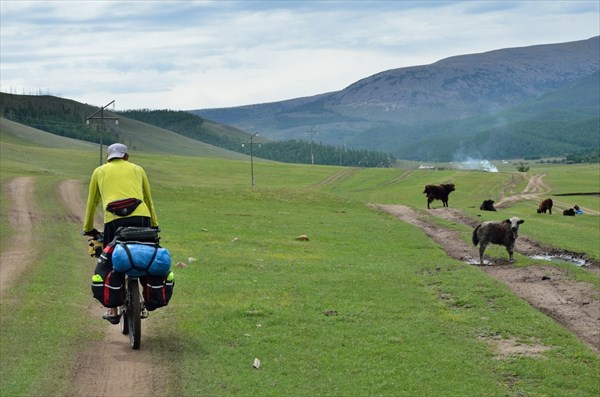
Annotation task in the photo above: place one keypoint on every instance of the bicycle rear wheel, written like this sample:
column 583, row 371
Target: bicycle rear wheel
column 124, row 320
column 134, row 309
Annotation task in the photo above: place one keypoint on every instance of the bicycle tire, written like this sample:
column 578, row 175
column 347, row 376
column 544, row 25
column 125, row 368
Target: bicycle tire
column 134, row 309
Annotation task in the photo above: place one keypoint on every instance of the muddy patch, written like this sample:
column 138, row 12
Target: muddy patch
column 511, row 348
column 524, row 245
column 575, row 305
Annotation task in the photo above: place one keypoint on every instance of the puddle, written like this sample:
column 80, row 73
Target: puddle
column 561, row 259
column 476, row 262
column 550, row 258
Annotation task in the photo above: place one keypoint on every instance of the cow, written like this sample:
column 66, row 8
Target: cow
column 502, row 233
column 569, row 212
column 487, row 205
column 438, row 192
column 545, row 205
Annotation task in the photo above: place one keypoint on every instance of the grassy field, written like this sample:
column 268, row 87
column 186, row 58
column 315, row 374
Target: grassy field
column 368, row 306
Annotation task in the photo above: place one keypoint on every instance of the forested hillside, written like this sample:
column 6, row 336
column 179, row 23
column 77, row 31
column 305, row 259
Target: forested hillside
column 56, row 115
column 289, row 151
column 191, row 126
column 164, row 130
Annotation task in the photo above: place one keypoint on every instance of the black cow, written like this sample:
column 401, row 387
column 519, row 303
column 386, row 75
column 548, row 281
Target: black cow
column 438, row 192
column 569, row 212
column 487, row 205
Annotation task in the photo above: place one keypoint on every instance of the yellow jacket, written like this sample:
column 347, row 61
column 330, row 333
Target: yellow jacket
column 116, row 180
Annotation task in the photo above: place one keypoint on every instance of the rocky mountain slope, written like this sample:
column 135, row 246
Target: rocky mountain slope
column 431, row 112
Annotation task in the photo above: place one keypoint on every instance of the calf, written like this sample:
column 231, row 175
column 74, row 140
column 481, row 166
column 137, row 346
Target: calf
column 544, row 206
column 438, row 192
column 487, row 205
column 502, row 233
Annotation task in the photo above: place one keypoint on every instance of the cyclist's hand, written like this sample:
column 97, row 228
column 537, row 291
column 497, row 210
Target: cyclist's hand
column 92, row 233
column 95, row 248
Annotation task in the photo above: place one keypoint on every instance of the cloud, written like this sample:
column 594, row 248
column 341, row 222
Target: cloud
column 198, row 54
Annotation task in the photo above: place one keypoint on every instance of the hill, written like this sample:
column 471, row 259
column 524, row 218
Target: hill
column 15, row 133
column 172, row 132
column 290, row 151
column 497, row 104
column 67, row 118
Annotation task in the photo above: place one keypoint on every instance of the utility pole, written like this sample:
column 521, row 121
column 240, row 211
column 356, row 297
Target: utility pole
column 250, row 140
column 312, row 132
column 101, row 118
column 342, row 149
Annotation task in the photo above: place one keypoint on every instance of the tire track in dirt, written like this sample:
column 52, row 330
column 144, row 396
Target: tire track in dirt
column 18, row 251
column 534, row 189
column 343, row 174
column 397, row 179
column 111, row 368
column 574, row 305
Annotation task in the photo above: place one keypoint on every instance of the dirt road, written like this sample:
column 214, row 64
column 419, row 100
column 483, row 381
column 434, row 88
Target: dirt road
column 22, row 219
column 574, row 305
column 104, row 368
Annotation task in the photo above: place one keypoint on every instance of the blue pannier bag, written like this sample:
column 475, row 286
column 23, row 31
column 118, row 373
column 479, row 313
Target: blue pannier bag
column 138, row 260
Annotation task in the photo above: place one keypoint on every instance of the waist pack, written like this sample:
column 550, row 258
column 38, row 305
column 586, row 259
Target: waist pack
column 123, row 207
column 138, row 260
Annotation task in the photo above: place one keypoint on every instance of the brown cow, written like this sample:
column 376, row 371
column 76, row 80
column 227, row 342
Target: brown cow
column 438, row 192
column 545, row 205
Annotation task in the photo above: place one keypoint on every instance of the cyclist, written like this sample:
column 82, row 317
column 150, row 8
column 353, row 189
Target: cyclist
column 124, row 190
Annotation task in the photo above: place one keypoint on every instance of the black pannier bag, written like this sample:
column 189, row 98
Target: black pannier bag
column 110, row 290
column 135, row 233
column 158, row 290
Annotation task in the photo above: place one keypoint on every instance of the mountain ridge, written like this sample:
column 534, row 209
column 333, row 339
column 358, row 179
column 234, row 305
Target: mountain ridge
column 387, row 109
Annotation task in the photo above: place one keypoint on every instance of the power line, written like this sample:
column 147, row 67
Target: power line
column 102, row 118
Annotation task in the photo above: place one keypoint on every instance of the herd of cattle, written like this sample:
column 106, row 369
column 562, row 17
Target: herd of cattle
column 501, row 233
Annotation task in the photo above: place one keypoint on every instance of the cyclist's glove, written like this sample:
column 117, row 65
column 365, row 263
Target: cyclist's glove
column 91, row 233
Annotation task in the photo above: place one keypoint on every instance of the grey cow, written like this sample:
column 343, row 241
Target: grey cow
column 502, row 233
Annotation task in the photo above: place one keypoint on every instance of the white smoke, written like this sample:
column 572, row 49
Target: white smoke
column 474, row 164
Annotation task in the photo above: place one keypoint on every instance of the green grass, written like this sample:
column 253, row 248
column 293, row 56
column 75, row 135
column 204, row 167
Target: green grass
column 265, row 295
column 44, row 312
column 404, row 319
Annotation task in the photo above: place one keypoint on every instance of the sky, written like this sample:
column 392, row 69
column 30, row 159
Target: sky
column 185, row 55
